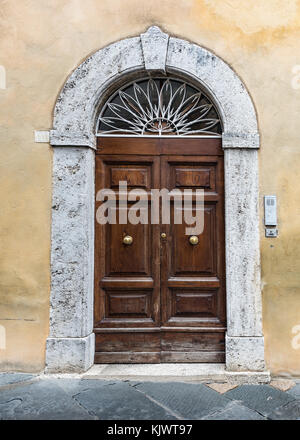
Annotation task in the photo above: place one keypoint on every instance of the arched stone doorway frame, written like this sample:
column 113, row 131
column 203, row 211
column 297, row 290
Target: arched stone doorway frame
column 70, row 345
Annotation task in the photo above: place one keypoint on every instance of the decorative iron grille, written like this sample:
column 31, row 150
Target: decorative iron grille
column 159, row 106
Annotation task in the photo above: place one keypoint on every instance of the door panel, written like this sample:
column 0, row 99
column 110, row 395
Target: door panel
column 160, row 299
column 193, row 260
column 126, row 276
column 129, row 304
column 191, row 304
column 193, row 177
column 184, row 346
column 135, row 176
column 203, row 301
column 128, row 260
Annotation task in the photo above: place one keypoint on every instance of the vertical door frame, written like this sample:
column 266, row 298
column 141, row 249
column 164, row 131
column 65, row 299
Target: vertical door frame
column 70, row 345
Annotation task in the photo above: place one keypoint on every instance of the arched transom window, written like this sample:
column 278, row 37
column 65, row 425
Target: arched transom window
column 159, row 106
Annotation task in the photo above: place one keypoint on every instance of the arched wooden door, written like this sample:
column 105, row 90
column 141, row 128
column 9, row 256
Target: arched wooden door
column 160, row 298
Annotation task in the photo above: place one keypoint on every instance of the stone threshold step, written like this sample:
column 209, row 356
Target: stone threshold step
column 206, row 373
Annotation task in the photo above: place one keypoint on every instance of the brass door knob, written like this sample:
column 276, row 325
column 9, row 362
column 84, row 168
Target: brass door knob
column 163, row 235
column 127, row 240
column 194, row 240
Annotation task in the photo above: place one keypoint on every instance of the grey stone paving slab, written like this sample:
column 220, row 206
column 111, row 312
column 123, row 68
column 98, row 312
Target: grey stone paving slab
column 234, row 411
column 61, row 398
column 291, row 411
column 119, row 400
column 42, row 400
column 191, row 401
column 75, row 386
column 11, row 378
column 262, row 398
column 295, row 391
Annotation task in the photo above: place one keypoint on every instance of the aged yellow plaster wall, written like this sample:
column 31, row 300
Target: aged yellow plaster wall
column 41, row 42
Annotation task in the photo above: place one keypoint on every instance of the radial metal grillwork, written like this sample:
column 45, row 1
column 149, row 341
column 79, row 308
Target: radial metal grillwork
column 161, row 107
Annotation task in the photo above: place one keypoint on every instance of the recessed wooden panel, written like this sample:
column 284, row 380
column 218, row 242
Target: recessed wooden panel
column 194, row 303
column 137, row 171
column 135, row 176
column 128, row 304
column 194, row 177
column 198, row 259
column 134, row 259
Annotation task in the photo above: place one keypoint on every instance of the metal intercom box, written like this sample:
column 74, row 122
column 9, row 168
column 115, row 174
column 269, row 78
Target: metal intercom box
column 270, row 210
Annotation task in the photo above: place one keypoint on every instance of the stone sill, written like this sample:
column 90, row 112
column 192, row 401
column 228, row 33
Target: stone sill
column 205, row 373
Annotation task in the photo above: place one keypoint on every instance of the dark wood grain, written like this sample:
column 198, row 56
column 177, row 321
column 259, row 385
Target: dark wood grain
column 161, row 300
column 159, row 146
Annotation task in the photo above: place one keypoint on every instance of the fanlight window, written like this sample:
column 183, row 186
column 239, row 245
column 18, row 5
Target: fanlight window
column 160, row 106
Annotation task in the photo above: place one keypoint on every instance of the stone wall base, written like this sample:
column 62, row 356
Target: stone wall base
column 245, row 353
column 70, row 355
column 76, row 355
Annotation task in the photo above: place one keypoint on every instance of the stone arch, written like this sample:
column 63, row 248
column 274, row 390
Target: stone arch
column 70, row 346
column 74, row 113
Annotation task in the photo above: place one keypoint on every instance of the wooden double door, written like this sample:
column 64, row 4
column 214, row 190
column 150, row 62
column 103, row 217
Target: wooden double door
column 158, row 297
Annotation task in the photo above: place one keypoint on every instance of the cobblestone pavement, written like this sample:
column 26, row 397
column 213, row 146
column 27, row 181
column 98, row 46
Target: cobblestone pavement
column 30, row 397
